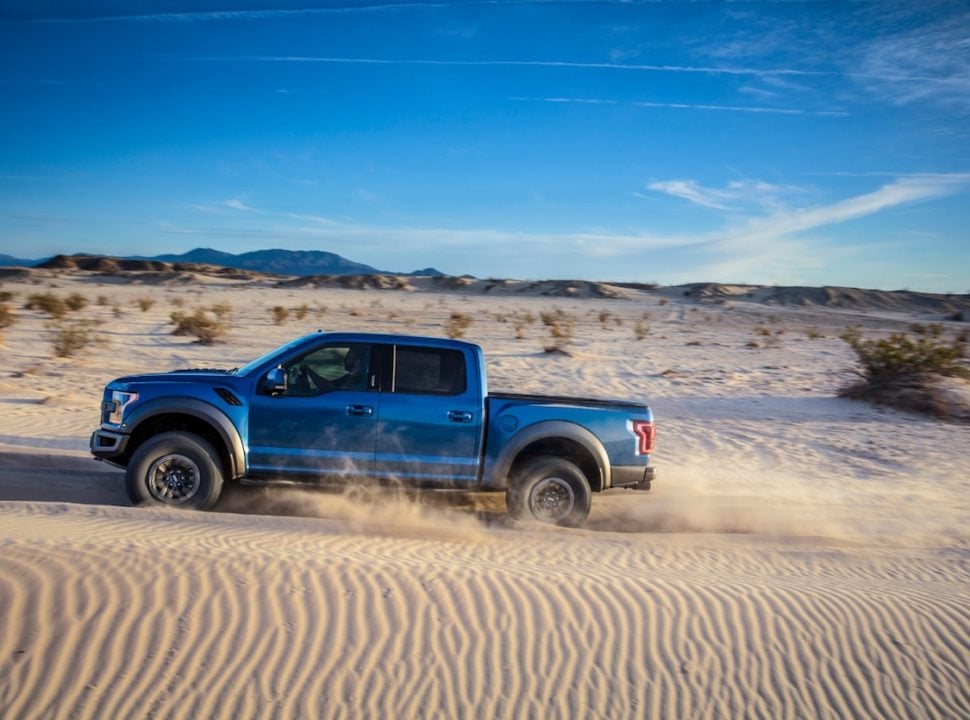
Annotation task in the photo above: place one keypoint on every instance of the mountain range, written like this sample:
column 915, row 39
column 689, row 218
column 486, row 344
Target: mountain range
column 278, row 262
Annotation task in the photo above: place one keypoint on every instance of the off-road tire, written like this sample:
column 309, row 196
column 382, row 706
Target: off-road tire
column 175, row 469
column 550, row 490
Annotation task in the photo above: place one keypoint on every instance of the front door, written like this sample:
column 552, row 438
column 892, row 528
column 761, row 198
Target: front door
column 325, row 423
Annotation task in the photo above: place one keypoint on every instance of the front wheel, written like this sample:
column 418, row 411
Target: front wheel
column 550, row 490
column 175, row 469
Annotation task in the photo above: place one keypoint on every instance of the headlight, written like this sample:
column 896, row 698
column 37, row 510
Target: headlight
column 116, row 406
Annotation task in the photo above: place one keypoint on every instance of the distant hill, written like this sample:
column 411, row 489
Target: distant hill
column 277, row 262
column 11, row 261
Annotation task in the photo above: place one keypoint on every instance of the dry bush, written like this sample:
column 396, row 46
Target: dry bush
column 604, row 317
column 145, row 304
column 560, row 326
column 103, row 300
column 222, row 310
column 7, row 318
column 926, row 374
column 520, row 321
column 641, row 330
column 770, row 338
column 898, row 355
column 68, row 338
column 280, row 315
column 302, row 311
column 7, row 296
column 457, row 324
column 48, row 303
column 75, row 302
column 205, row 326
column 813, row 333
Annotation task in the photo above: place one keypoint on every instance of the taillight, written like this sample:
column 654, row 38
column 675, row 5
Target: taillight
column 646, row 433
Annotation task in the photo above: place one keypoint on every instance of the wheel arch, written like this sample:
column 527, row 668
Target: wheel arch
column 558, row 438
column 188, row 415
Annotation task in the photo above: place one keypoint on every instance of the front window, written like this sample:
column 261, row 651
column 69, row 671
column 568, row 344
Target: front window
column 328, row 368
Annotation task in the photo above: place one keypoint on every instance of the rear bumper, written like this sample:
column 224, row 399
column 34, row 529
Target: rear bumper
column 106, row 444
column 634, row 477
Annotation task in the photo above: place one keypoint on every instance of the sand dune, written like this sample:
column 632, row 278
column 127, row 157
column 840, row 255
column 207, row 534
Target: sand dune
column 237, row 615
column 800, row 555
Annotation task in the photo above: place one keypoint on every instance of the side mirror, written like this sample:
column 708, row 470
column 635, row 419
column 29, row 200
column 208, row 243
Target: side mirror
column 275, row 381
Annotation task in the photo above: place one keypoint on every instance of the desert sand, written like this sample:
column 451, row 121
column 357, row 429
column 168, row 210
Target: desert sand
column 800, row 555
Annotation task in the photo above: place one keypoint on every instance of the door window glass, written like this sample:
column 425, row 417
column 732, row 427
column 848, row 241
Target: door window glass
column 331, row 367
column 429, row 371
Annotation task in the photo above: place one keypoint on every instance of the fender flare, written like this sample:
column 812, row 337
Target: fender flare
column 200, row 410
column 545, row 430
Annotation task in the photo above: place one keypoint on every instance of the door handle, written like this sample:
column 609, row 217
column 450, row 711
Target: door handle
column 460, row 416
column 360, row 410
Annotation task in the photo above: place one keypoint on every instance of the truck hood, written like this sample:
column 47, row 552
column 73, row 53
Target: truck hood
column 203, row 375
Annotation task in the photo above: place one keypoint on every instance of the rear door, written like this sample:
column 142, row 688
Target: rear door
column 430, row 418
column 325, row 422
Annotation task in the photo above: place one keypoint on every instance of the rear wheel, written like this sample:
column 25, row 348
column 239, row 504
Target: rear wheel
column 175, row 469
column 550, row 490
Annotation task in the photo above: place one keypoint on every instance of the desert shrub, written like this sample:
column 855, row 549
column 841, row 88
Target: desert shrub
column 178, row 302
column 7, row 318
column 117, row 312
column 48, row 303
column 813, row 333
column 771, row 338
column 302, row 311
column 145, row 304
column 520, row 321
column 6, row 296
column 560, row 326
column 205, row 326
column 75, row 302
column 69, row 338
column 641, row 330
column 103, row 300
column 222, row 310
column 887, row 359
column 280, row 314
column 604, row 317
column 457, row 324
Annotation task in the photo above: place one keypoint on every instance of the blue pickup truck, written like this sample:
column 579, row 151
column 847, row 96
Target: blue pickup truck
column 332, row 407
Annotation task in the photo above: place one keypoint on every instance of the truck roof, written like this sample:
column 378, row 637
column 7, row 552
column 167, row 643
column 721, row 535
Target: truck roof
column 392, row 338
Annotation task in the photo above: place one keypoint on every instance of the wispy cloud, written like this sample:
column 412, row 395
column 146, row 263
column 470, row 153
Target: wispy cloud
column 928, row 63
column 735, row 196
column 775, row 246
column 626, row 67
column 92, row 14
column 685, row 106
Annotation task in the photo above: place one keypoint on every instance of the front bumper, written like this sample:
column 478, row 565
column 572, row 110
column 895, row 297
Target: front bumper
column 107, row 444
column 634, row 477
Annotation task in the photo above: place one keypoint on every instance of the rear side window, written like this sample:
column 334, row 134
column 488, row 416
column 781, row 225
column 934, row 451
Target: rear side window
column 429, row 371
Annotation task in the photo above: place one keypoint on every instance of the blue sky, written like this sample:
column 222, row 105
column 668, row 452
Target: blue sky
column 763, row 142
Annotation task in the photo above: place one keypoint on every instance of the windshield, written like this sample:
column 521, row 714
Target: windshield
column 265, row 357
